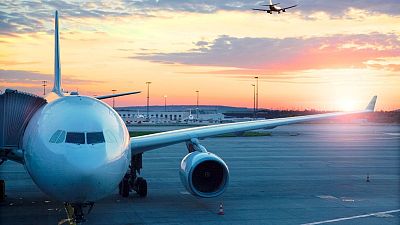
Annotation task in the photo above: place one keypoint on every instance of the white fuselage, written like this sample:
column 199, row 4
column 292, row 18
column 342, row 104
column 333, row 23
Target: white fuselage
column 275, row 8
column 67, row 167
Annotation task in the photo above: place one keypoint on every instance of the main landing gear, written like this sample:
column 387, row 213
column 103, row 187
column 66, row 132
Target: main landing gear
column 2, row 186
column 131, row 180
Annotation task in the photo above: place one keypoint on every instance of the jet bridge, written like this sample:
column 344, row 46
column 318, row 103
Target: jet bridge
column 16, row 110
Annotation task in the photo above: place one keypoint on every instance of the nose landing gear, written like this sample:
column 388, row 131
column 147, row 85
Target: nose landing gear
column 75, row 213
column 131, row 180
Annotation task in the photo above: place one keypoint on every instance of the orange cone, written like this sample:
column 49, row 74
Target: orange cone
column 221, row 209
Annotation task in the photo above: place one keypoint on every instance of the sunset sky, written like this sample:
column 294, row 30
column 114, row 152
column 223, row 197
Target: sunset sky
column 326, row 55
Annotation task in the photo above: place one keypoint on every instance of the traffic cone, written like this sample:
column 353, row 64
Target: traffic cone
column 221, row 209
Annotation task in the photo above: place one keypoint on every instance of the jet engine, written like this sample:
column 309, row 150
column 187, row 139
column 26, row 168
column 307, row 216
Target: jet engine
column 204, row 174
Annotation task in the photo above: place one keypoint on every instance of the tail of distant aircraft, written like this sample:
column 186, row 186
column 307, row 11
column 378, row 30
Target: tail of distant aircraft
column 271, row 3
column 57, row 69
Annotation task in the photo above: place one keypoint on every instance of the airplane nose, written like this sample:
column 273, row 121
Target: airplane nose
column 81, row 175
column 86, row 165
column 87, row 175
column 89, row 181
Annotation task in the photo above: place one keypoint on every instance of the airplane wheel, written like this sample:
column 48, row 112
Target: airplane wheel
column 141, row 187
column 124, row 187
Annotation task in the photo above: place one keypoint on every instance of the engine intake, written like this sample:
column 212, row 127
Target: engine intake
column 204, row 174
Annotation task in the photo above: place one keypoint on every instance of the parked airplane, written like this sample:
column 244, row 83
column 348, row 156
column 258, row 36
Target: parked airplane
column 77, row 149
column 274, row 8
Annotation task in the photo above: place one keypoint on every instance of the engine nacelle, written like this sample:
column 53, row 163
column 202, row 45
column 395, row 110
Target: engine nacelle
column 204, row 174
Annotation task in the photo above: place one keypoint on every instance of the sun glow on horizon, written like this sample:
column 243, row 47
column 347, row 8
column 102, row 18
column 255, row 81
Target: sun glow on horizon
column 347, row 105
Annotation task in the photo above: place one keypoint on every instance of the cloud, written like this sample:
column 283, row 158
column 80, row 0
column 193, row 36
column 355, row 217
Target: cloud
column 32, row 77
column 288, row 54
column 33, row 16
column 340, row 7
column 305, row 6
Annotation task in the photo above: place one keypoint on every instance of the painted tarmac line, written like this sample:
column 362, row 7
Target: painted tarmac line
column 352, row 217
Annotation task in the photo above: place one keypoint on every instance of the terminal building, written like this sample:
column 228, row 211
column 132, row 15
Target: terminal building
column 135, row 117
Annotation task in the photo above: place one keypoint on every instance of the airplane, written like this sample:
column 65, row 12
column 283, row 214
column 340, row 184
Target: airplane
column 77, row 149
column 274, row 8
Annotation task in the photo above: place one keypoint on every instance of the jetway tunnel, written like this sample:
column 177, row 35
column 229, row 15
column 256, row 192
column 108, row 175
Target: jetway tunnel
column 16, row 110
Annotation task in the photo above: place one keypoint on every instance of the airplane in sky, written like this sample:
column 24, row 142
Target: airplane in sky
column 273, row 7
column 77, row 148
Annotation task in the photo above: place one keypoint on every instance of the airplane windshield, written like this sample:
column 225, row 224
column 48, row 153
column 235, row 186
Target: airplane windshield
column 94, row 137
column 75, row 138
column 81, row 138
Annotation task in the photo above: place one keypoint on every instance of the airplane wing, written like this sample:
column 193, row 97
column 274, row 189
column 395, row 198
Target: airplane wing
column 264, row 10
column 13, row 154
column 289, row 7
column 117, row 95
column 148, row 142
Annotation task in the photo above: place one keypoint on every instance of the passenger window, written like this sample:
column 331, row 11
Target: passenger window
column 75, row 138
column 55, row 136
column 94, row 137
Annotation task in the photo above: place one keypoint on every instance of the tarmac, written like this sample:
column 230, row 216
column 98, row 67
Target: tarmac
column 301, row 174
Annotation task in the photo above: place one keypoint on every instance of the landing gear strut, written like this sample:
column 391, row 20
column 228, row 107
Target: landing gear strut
column 76, row 213
column 2, row 185
column 131, row 180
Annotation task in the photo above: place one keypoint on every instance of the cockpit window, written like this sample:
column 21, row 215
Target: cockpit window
column 55, row 136
column 61, row 138
column 75, row 138
column 94, row 137
column 58, row 137
column 110, row 138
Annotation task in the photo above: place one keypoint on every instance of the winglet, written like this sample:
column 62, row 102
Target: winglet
column 371, row 104
column 57, row 68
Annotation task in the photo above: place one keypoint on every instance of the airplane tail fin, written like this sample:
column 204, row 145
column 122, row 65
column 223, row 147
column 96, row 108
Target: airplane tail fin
column 371, row 104
column 57, row 69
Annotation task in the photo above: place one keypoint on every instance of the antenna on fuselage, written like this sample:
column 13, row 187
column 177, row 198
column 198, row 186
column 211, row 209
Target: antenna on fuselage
column 57, row 68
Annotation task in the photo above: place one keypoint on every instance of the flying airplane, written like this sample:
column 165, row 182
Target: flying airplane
column 273, row 7
column 77, row 148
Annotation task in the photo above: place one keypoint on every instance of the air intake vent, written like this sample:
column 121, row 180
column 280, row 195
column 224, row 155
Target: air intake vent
column 16, row 109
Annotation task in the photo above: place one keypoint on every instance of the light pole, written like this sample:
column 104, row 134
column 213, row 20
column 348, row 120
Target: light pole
column 148, row 98
column 44, row 86
column 113, row 91
column 197, row 103
column 165, row 103
column 256, row 96
column 254, row 101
